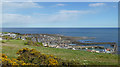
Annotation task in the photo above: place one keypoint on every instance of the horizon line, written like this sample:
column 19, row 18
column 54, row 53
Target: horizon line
column 59, row 27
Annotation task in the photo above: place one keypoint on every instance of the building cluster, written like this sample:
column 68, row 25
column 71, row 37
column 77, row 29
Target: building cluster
column 49, row 41
column 12, row 35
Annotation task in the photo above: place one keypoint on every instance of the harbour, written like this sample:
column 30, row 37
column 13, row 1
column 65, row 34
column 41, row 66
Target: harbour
column 61, row 41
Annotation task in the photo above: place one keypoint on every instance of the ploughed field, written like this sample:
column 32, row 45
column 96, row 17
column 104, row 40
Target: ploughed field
column 10, row 48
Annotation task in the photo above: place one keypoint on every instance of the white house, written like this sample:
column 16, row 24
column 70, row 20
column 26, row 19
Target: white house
column 9, row 34
column 13, row 35
column 0, row 38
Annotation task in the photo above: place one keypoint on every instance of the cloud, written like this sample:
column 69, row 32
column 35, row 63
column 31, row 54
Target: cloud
column 32, row 19
column 69, row 11
column 114, row 6
column 17, row 18
column 60, row 4
column 76, row 11
column 96, row 4
column 62, row 16
column 0, row 16
column 17, row 5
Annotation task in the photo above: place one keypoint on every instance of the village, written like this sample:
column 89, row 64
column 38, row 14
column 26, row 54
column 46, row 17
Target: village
column 60, row 41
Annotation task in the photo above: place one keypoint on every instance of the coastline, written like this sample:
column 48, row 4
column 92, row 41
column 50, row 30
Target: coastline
column 61, row 41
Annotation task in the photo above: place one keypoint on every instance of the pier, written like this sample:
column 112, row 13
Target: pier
column 113, row 44
column 95, row 43
column 89, row 47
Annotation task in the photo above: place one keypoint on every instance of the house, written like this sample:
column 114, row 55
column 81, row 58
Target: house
column 0, row 38
column 13, row 35
column 54, row 46
column 9, row 34
column 45, row 44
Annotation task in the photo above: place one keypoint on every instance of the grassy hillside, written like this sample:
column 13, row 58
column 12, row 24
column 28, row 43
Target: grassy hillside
column 12, row 46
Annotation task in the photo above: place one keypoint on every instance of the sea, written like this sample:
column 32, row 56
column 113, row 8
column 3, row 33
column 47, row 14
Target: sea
column 100, row 34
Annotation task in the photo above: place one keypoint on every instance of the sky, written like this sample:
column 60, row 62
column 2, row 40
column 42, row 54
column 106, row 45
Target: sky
column 60, row 14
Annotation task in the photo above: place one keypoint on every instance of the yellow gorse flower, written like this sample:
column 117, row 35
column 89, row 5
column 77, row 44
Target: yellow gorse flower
column 53, row 61
column 6, row 61
column 28, row 57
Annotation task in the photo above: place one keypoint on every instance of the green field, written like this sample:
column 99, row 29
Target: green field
column 12, row 46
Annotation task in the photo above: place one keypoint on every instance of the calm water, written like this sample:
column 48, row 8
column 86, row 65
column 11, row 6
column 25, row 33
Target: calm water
column 101, row 34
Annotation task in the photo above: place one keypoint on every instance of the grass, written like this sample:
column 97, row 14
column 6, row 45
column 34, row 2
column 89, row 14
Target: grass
column 12, row 46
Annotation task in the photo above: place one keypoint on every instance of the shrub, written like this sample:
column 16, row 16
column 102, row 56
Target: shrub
column 38, row 44
column 3, row 41
column 35, row 57
column 11, row 62
column 7, row 37
column 5, row 32
column 26, row 43
column 18, row 39
column 29, row 42
column 28, row 38
column 16, row 33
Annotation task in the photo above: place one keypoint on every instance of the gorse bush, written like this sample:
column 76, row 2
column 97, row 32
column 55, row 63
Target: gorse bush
column 33, row 57
column 11, row 62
